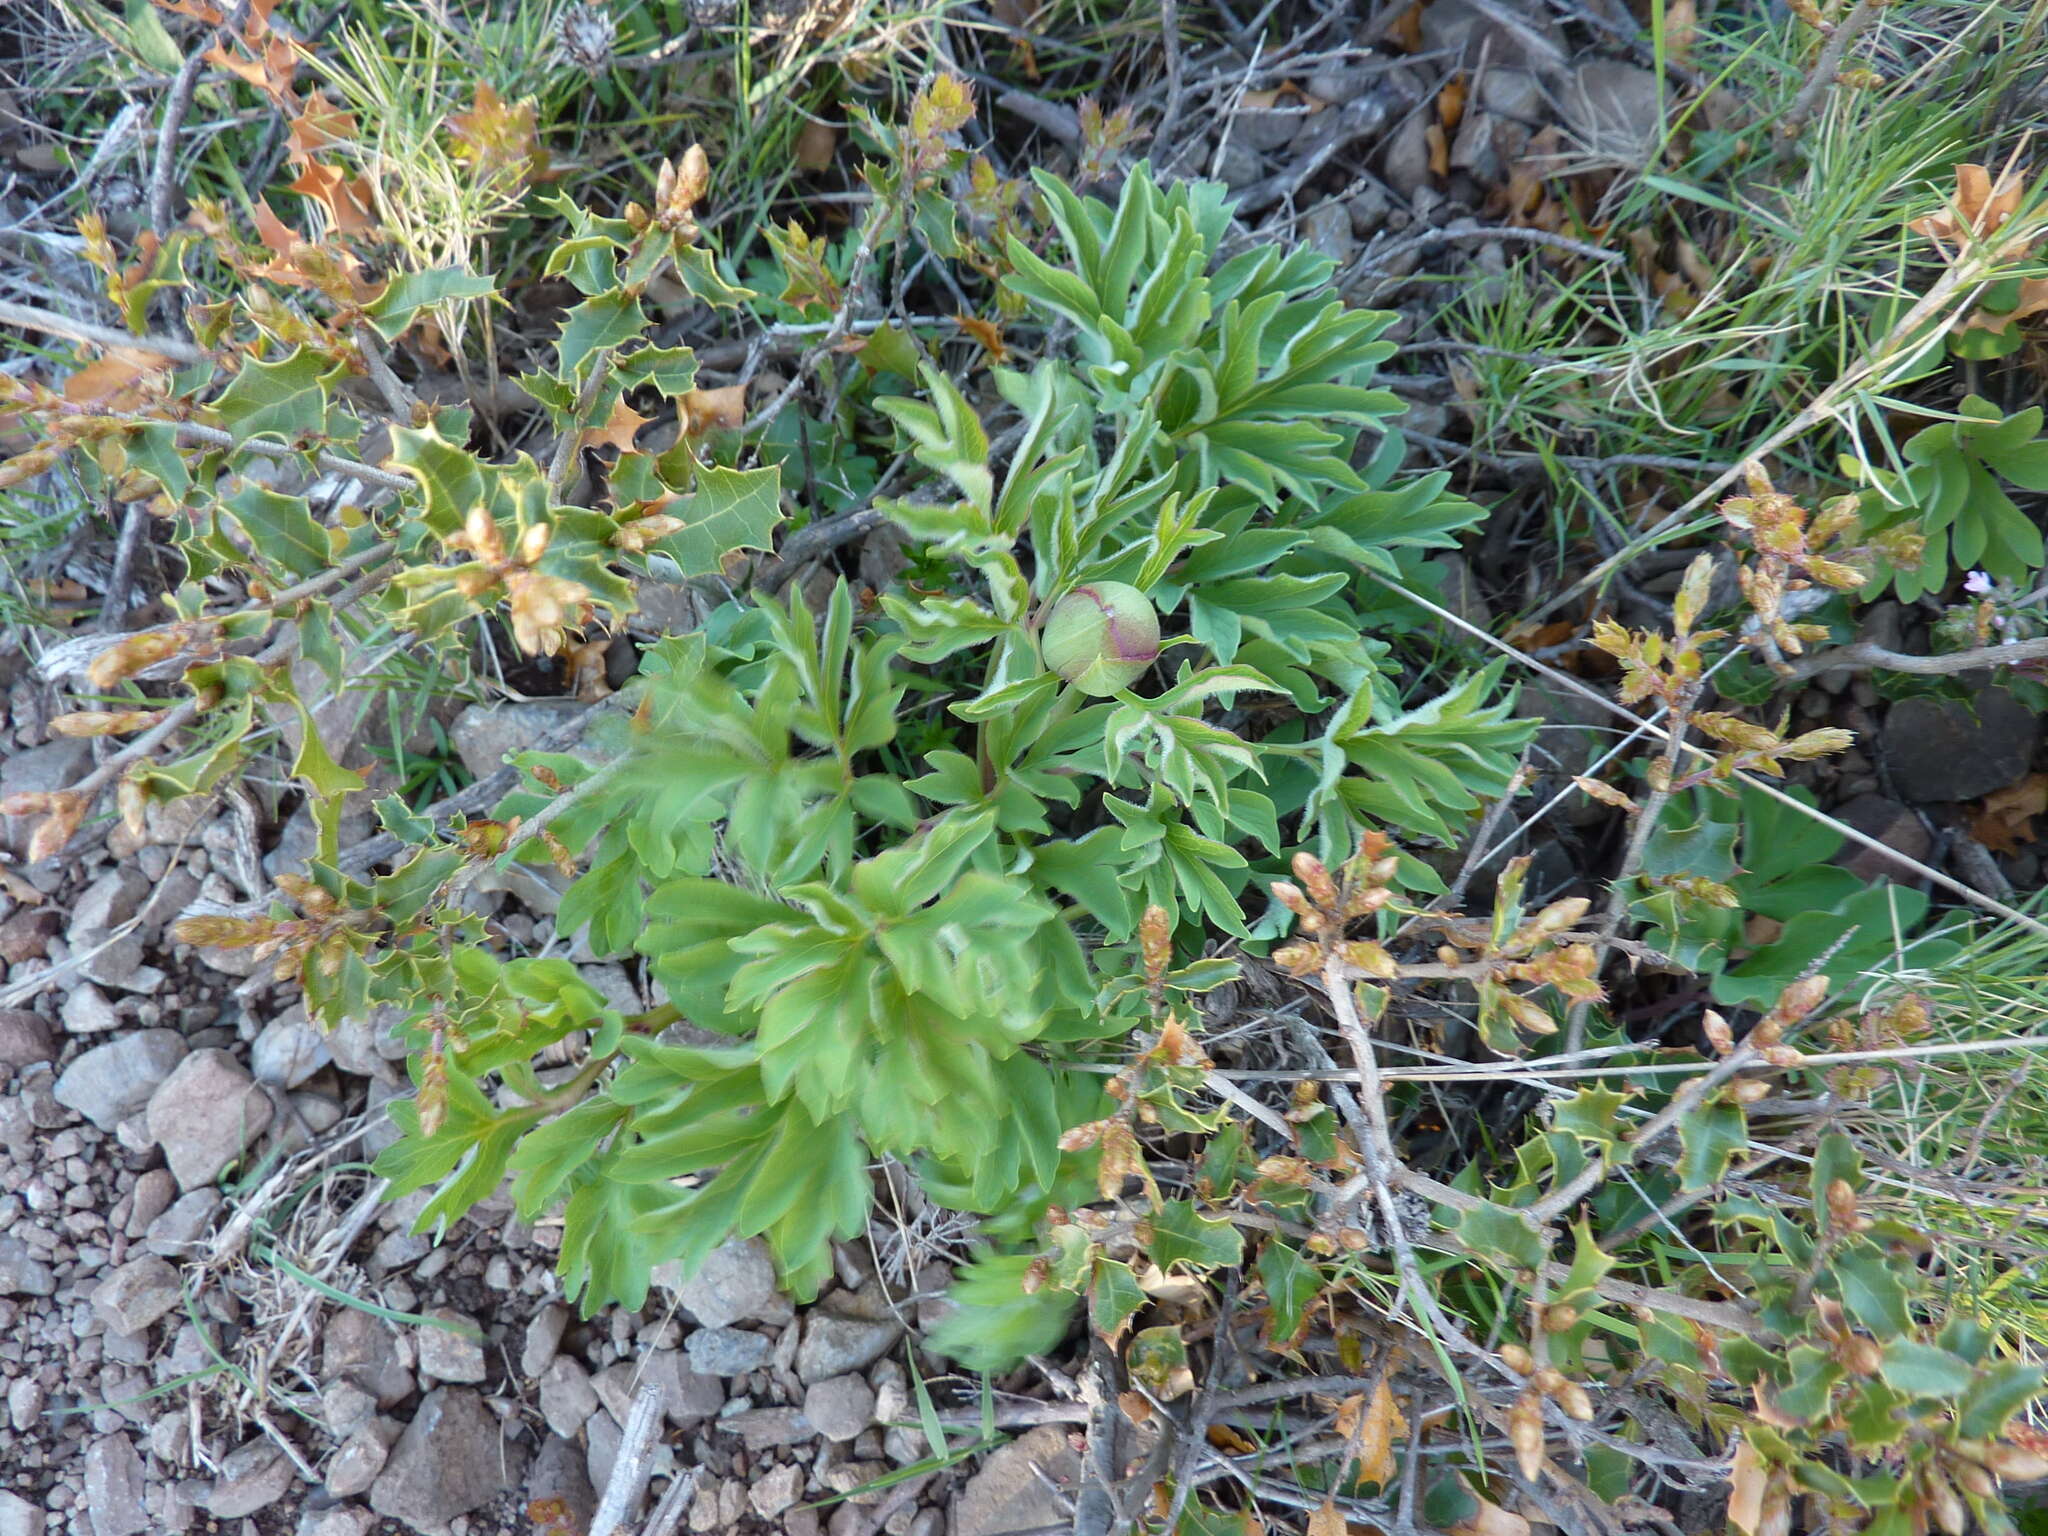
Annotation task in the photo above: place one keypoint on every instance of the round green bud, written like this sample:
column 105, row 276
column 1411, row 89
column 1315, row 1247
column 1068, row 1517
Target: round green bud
column 1101, row 637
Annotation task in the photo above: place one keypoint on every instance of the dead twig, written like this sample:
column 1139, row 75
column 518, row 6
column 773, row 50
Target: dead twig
column 50, row 323
column 179, row 102
column 1825, row 68
column 1865, row 654
column 635, row 1464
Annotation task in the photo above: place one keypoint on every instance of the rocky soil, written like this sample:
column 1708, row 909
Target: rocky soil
column 204, row 1303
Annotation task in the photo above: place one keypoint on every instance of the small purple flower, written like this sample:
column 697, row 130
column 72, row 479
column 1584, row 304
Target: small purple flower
column 1977, row 584
column 1998, row 621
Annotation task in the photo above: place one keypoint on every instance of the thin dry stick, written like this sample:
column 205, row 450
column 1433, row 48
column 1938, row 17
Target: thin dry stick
column 673, row 1504
column 634, row 1465
column 176, row 105
column 114, row 607
column 193, row 432
column 564, row 461
column 1865, row 654
column 1847, row 30
column 50, row 323
column 842, row 322
column 1565, row 680
column 401, row 401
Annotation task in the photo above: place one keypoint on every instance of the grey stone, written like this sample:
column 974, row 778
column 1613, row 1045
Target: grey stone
column 559, row 1474
column 840, row 1406
column 448, row 1355
column 604, row 1437
column 137, row 1294
column 21, row 1272
column 848, row 1476
column 833, row 1346
column 355, row 1465
column 290, row 1050
column 485, row 735
column 688, row 1397
column 363, row 1350
column 24, row 1403
column 106, row 904
column 1613, row 109
column 772, row 1494
column 1514, row 93
column 1326, row 228
column 1944, row 749
column 543, row 1338
column 205, row 1115
column 1015, row 1488
column 1368, row 211
column 150, row 1198
column 1897, row 826
column 566, row 1397
column 345, row 1408
column 450, row 1459
column 727, row 1351
column 57, row 765
column 253, row 1476
column 763, row 1429
column 342, row 1520
column 1405, row 162
column 181, row 1230
column 170, row 1437
column 110, row 1082
column 25, row 1038
column 1239, row 165
column 736, row 1283
column 1268, row 128
column 113, row 1487
column 18, row 1517
column 367, row 1044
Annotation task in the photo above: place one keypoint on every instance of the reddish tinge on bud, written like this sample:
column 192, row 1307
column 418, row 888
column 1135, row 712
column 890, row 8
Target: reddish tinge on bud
column 1101, row 637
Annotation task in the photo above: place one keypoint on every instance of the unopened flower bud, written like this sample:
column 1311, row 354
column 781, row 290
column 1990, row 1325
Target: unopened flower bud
column 1101, row 637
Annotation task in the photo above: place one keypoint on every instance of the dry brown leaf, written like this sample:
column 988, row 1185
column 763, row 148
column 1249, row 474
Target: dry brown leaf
column 1450, row 102
column 816, row 145
column 347, row 199
column 2033, row 300
column 989, row 334
column 1406, row 29
column 1224, row 1438
column 120, row 381
column 2006, row 818
column 1374, row 1431
column 1491, row 1520
column 618, row 431
column 1681, row 30
column 320, row 125
column 1980, row 208
column 278, row 237
column 1327, row 1520
column 269, row 66
column 1747, row 1480
column 1439, row 144
column 707, row 409
column 497, row 136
